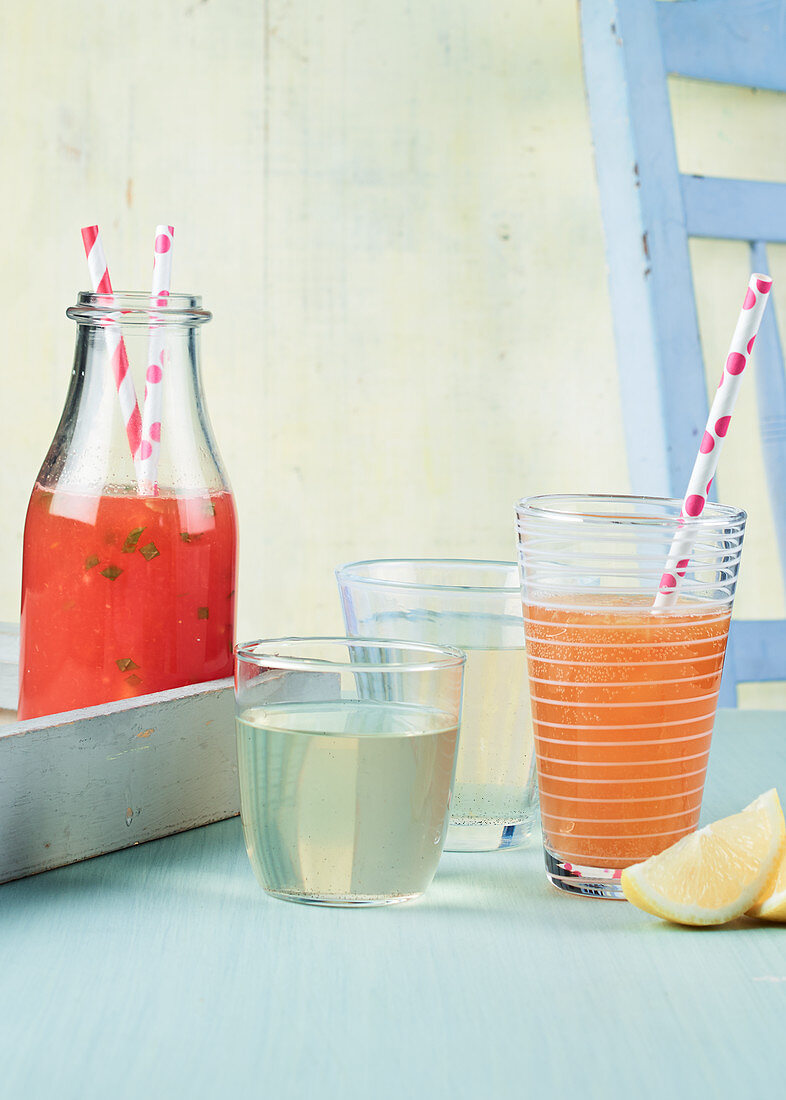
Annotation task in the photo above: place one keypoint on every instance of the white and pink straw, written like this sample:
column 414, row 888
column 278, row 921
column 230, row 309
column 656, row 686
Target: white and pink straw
column 706, row 463
column 102, row 284
column 151, row 417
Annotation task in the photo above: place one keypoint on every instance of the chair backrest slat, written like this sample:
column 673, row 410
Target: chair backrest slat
column 734, row 210
column 728, row 41
column 759, row 650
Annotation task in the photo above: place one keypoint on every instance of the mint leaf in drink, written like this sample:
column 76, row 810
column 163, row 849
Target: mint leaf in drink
column 149, row 551
column 91, row 562
column 203, row 613
column 132, row 538
column 125, row 664
column 111, row 572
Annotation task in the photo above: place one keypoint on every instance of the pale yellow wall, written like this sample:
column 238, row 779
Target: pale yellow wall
column 391, row 210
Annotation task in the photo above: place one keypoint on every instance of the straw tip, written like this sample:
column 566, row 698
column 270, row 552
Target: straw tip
column 761, row 280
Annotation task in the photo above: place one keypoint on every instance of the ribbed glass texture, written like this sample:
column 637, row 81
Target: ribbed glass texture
column 623, row 693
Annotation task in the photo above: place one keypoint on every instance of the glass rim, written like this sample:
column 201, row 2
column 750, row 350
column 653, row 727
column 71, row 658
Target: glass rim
column 538, row 506
column 348, row 571
column 137, row 307
column 442, row 656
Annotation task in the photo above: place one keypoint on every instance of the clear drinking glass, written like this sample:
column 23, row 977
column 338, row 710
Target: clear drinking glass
column 623, row 694
column 346, row 757
column 476, row 606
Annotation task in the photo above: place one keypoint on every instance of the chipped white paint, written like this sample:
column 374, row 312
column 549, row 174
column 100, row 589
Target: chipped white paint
column 80, row 784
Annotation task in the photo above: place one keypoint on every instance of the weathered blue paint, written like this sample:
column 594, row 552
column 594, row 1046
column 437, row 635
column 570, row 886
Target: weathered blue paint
column 771, row 398
column 759, row 648
column 734, row 210
column 650, row 211
column 664, row 407
column 727, row 41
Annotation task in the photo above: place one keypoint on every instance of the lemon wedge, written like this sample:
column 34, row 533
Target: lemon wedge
column 716, row 874
column 771, row 904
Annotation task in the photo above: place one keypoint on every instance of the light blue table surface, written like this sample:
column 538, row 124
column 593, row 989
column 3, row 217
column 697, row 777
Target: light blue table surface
column 164, row 971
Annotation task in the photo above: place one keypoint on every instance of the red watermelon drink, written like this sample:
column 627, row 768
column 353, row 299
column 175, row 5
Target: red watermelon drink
column 130, row 543
column 124, row 595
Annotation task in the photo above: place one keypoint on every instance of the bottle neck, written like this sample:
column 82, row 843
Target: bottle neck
column 135, row 417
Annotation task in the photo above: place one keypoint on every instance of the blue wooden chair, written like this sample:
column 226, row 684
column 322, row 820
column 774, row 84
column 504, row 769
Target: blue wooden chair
column 650, row 210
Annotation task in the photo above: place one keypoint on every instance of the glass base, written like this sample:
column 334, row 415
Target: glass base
column 476, row 836
column 357, row 901
column 590, row 882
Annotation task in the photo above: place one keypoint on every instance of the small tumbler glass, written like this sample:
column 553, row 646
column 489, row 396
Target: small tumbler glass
column 623, row 692
column 346, row 758
column 476, row 606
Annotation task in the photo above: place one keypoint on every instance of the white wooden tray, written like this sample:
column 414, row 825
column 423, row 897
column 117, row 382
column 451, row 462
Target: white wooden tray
column 90, row 781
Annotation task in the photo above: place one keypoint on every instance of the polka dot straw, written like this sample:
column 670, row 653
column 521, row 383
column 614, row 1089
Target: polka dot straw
column 102, row 284
column 706, row 463
column 151, row 416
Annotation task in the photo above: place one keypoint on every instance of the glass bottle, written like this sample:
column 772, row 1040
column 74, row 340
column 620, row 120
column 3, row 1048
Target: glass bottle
column 130, row 544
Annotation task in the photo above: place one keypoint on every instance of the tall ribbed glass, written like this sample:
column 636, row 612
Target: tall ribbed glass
column 623, row 695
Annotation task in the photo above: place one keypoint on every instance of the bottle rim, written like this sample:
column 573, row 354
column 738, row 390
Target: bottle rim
column 137, row 307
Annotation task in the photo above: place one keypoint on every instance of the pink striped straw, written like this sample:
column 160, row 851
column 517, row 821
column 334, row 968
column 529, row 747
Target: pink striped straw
column 756, row 298
column 102, row 284
column 151, row 415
